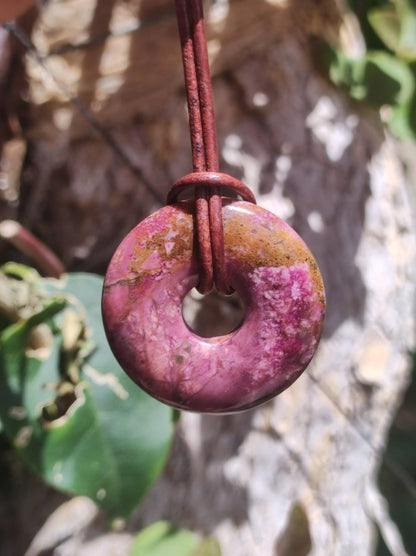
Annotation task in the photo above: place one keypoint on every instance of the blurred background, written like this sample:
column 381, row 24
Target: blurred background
column 316, row 111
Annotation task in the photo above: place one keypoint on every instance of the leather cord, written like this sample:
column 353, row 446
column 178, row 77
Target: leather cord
column 206, row 178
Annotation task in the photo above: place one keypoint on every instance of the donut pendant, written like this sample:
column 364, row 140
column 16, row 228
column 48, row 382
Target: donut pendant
column 267, row 263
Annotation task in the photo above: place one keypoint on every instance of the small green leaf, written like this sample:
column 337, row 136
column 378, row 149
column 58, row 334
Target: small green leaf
column 386, row 23
column 208, row 547
column 407, row 45
column 380, row 79
column 385, row 79
column 163, row 539
column 396, row 26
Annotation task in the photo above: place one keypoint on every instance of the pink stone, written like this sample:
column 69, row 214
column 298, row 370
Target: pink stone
column 273, row 271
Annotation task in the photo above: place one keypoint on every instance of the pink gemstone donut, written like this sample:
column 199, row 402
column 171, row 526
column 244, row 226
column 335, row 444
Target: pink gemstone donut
column 270, row 267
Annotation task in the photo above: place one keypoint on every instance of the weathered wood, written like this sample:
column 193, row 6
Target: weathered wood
column 305, row 465
column 133, row 74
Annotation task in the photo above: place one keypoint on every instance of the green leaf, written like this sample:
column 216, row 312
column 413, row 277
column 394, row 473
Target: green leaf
column 396, row 26
column 384, row 79
column 26, row 377
column 162, row 539
column 407, row 45
column 111, row 440
column 208, row 547
column 380, row 79
column 386, row 23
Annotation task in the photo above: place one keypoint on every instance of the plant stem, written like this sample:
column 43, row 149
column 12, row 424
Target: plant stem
column 27, row 243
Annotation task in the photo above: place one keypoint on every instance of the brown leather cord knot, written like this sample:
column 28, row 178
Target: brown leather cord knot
column 206, row 178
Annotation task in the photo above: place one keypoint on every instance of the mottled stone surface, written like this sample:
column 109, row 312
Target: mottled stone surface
column 273, row 271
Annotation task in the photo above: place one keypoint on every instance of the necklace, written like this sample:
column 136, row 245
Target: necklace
column 212, row 240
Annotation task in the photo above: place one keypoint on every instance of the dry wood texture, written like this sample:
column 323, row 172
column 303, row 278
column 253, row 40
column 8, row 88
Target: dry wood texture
column 297, row 476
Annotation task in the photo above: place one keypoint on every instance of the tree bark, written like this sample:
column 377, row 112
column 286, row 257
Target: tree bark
column 298, row 475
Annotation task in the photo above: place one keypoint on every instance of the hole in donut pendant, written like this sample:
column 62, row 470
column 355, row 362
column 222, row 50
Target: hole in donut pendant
column 213, row 314
column 270, row 267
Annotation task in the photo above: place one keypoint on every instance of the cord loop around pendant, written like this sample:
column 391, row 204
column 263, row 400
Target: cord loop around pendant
column 210, row 180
